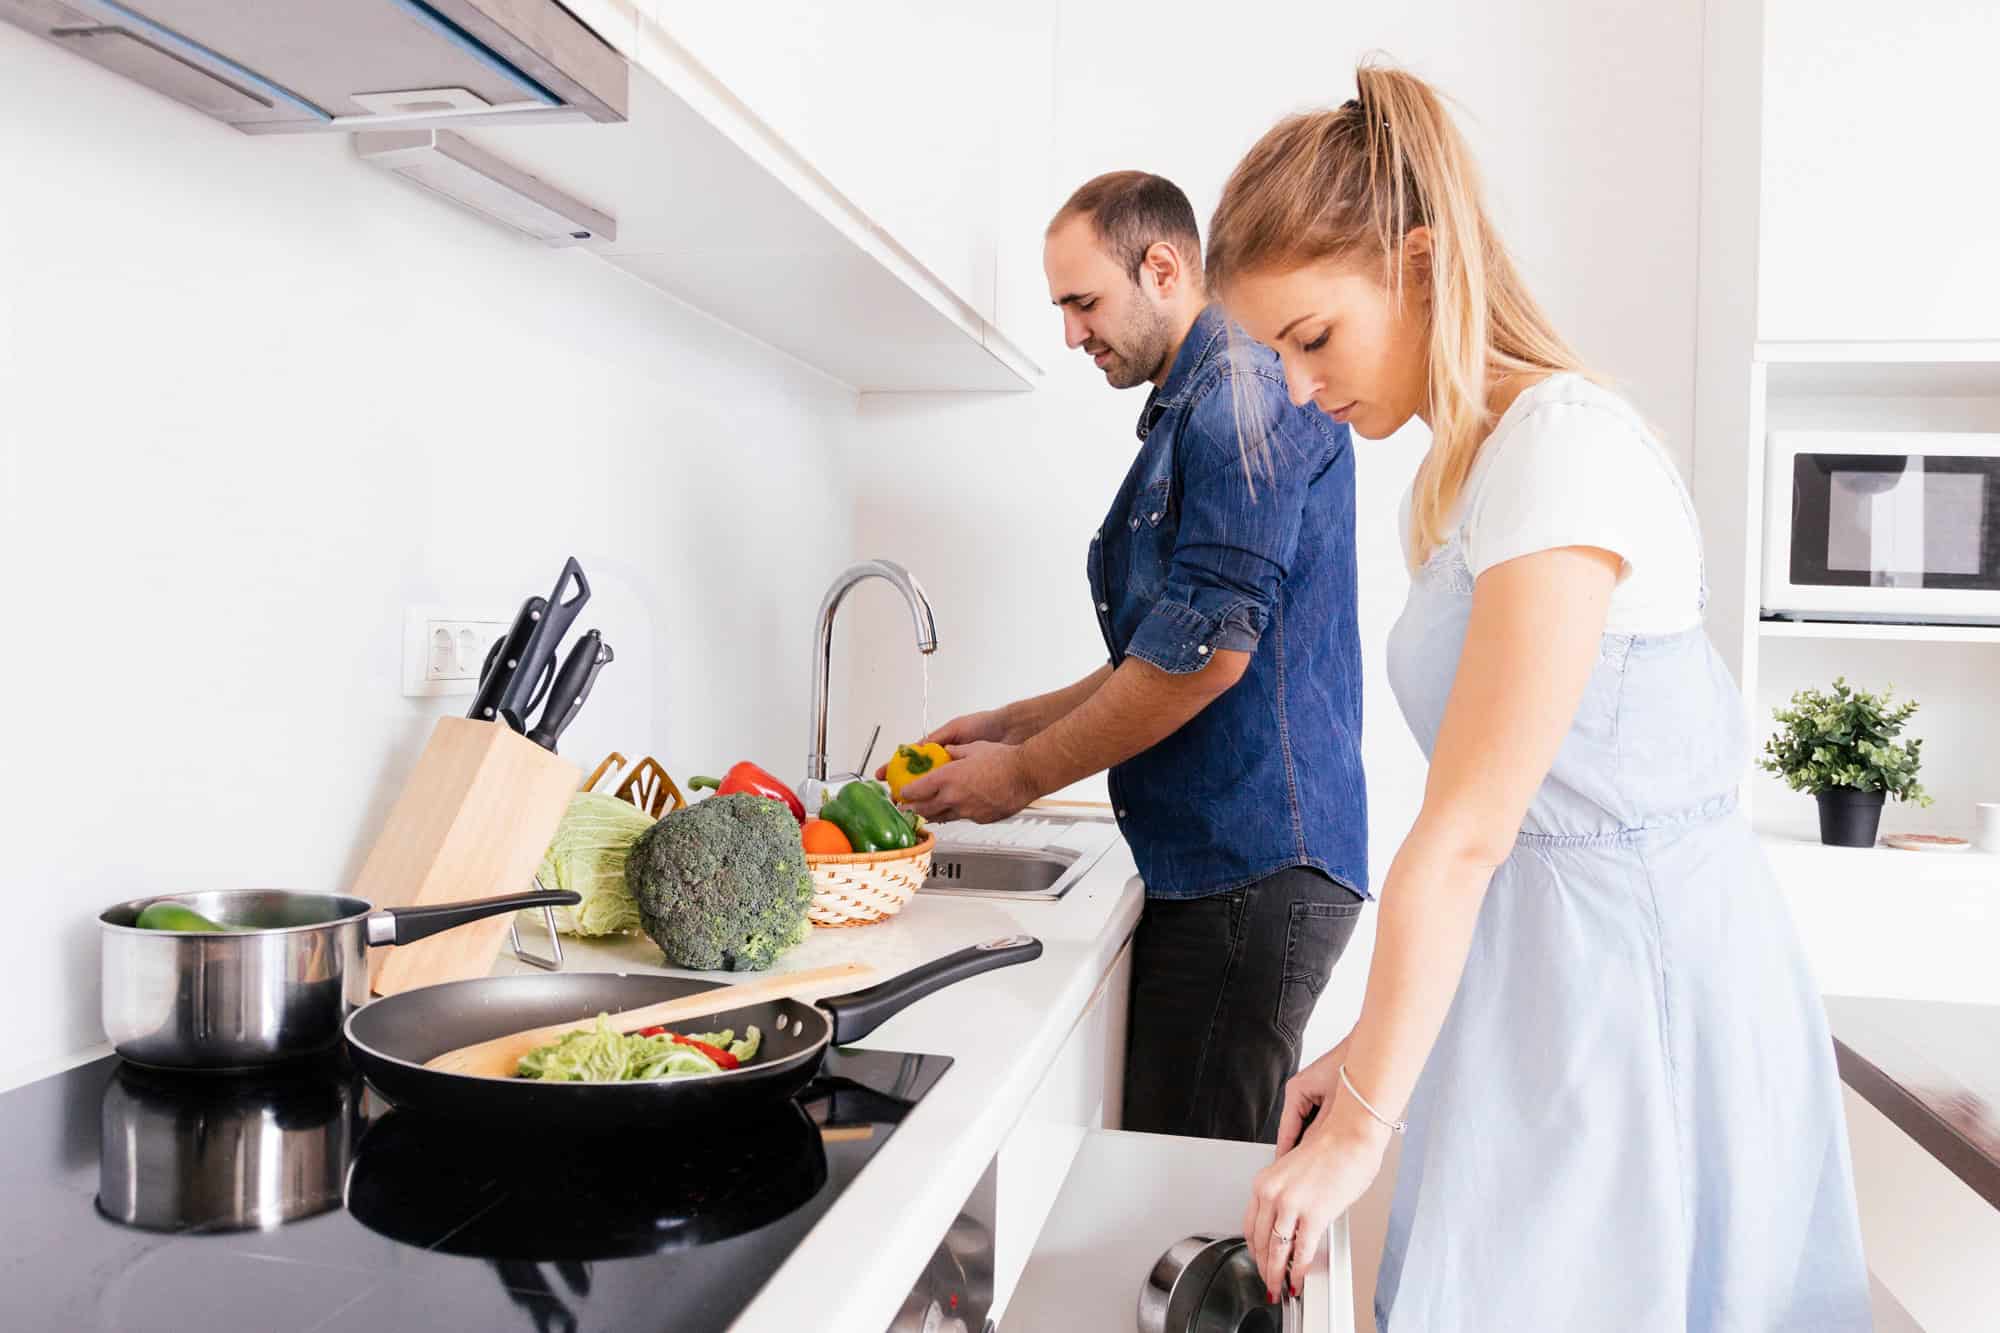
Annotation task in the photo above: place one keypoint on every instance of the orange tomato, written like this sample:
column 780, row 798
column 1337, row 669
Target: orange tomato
column 824, row 838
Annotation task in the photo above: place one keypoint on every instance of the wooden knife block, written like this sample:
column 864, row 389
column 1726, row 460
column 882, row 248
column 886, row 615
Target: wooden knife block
column 473, row 821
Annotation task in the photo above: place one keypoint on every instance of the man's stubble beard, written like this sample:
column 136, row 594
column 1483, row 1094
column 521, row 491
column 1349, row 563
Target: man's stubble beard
column 1147, row 340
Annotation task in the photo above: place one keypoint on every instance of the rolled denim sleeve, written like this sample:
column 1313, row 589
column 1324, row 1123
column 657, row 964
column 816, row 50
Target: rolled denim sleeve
column 1238, row 528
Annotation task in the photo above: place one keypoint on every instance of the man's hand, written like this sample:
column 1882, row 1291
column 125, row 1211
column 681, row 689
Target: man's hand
column 967, row 730
column 985, row 782
column 987, row 726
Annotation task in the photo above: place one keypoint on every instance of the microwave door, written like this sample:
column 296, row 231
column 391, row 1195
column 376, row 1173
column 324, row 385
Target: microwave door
column 1859, row 522
column 1884, row 535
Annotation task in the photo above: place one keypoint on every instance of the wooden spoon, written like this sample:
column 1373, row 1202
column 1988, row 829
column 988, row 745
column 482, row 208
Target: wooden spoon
column 499, row 1057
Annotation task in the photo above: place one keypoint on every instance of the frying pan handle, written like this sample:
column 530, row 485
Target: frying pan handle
column 854, row 1016
column 405, row 925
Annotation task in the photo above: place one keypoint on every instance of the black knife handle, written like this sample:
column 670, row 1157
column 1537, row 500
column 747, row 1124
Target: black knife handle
column 516, row 697
column 572, row 686
column 503, row 658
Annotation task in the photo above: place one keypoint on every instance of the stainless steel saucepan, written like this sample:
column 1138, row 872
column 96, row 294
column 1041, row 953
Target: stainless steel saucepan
column 1210, row 1284
column 275, row 984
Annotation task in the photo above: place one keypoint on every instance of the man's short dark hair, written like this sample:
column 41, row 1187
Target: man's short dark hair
column 1132, row 211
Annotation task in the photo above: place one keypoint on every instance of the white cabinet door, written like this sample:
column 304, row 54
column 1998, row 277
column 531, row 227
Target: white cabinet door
column 1881, row 202
column 1129, row 1197
column 1081, row 1092
column 932, row 119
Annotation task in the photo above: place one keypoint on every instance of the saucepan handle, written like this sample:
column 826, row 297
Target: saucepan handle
column 405, row 925
column 854, row 1016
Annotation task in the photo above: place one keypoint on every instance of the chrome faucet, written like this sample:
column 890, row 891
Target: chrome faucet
column 822, row 663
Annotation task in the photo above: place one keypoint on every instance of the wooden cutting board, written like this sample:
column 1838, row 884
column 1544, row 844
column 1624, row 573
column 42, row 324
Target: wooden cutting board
column 472, row 821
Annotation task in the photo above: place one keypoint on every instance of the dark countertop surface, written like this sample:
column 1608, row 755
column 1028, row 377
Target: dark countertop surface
column 1934, row 1070
column 294, row 1199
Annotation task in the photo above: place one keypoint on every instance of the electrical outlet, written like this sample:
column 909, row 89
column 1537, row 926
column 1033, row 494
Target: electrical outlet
column 444, row 648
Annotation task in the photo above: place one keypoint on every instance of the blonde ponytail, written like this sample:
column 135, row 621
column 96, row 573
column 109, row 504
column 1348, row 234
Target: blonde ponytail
column 1351, row 184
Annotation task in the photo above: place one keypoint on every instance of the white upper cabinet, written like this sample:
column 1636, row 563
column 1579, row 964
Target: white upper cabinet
column 933, row 120
column 1881, row 197
column 834, row 180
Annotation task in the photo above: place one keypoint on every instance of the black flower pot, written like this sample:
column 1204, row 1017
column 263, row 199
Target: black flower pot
column 1849, row 818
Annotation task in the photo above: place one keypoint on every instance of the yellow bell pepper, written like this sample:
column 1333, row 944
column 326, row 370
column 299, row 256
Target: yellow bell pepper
column 912, row 762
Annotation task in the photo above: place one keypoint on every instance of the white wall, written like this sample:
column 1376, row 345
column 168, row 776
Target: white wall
column 1586, row 117
column 257, row 397
column 1726, row 332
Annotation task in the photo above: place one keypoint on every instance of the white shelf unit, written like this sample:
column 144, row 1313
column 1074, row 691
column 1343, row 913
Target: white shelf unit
column 1749, row 384
column 1837, row 629
column 1836, row 352
column 1950, row 669
column 1807, row 318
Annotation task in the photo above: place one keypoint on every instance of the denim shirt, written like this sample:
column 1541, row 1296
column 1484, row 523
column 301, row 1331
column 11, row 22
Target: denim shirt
column 1196, row 556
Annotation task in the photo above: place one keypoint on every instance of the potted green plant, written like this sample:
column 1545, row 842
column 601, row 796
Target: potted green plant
column 1840, row 745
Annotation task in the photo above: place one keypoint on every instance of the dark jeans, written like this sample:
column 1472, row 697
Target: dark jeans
column 1221, row 991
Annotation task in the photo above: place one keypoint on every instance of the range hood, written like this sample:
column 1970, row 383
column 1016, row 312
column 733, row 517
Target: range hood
column 288, row 66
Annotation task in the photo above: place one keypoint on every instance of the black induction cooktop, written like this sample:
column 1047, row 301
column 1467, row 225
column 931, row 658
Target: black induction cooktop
column 139, row 1202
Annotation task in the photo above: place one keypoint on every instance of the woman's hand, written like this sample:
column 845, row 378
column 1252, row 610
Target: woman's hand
column 1307, row 1091
column 1325, row 1163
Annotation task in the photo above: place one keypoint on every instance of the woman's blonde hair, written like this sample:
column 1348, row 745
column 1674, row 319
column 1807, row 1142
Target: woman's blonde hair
column 1351, row 184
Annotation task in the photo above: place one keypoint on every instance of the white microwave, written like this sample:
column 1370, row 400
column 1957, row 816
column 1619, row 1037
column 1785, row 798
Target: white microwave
column 1882, row 526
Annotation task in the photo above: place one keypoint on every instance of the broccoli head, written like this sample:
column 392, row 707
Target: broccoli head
column 722, row 884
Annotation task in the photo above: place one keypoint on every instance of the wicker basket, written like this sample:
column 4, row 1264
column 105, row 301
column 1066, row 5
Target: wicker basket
column 862, row 888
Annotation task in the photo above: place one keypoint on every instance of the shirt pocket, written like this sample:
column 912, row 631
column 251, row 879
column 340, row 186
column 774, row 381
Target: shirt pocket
column 1153, row 530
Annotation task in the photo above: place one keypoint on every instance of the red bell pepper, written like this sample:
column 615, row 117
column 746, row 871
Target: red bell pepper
column 715, row 1053
column 747, row 777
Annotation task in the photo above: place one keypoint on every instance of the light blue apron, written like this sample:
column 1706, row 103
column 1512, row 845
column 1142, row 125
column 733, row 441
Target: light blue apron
column 1631, row 1122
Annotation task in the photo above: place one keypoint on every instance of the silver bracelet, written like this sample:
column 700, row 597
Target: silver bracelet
column 1394, row 1126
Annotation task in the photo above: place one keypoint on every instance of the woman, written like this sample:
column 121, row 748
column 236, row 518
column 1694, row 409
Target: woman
column 1623, row 1112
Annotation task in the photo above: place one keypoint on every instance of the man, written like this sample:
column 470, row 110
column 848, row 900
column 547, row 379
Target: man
column 1229, row 712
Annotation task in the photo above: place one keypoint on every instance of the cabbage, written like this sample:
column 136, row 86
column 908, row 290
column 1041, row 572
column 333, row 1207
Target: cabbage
column 588, row 855
column 599, row 1055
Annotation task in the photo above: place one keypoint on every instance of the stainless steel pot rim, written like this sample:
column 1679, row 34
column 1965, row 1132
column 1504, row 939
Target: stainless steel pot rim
column 813, row 1052
column 134, row 906
column 1177, row 1288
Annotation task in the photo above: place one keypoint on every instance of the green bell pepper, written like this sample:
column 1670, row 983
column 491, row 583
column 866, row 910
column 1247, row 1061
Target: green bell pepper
column 871, row 821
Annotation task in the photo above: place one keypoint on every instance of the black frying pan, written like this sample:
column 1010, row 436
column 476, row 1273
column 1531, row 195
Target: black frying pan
column 393, row 1037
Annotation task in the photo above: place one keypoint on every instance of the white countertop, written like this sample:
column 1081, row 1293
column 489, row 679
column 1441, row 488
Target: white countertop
column 1881, row 922
column 1002, row 1030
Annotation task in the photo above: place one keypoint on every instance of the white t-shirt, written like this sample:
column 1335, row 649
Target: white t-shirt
column 1572, row 464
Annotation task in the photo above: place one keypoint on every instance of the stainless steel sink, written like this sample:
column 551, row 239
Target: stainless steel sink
column 1033, row 856
column 998, row 870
